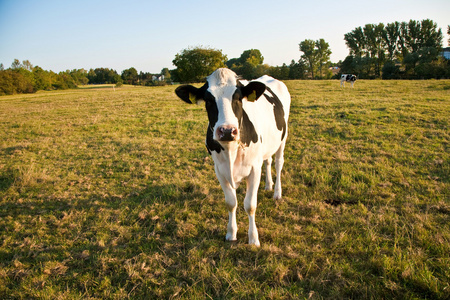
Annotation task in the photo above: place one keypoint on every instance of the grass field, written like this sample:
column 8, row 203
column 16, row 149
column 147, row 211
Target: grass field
column 111, row 195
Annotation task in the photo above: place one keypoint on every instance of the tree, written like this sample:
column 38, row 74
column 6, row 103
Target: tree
column 297, row 70
column 194, row 64
column 42, row 79
column 249, row 65
column 391, row 36
column 310, row 55
column 315, row 55
column 375, row 48
column 323, row 54
column 16, row 64
column 355, row 41
column 252, row 56
column 130, row 76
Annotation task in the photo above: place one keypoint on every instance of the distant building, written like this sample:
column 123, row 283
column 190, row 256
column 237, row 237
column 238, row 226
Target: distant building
column 334, row 70
column 158, row 77
column 446, row 53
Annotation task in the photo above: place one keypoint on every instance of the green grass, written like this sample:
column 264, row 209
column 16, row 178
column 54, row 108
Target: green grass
column 111, row 194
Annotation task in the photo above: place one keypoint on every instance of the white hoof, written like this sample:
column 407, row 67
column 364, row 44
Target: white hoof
column 230, row 237
column 256, row 243
column 277, row 195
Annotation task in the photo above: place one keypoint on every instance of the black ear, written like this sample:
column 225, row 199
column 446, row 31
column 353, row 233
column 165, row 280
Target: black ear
column 188, row 93
column 253, row 90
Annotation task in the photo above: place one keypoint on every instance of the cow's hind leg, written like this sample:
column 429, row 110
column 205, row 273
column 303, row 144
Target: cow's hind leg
column 269, row 181
column 279, row 161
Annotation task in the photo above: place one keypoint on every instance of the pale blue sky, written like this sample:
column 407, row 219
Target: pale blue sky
column 59, row 35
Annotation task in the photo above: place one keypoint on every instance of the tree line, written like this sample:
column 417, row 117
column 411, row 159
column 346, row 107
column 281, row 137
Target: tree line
column 194, row 64
column 23, row 77
column 406, row 50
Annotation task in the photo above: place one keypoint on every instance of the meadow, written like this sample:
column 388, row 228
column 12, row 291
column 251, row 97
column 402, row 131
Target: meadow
column 111, row 194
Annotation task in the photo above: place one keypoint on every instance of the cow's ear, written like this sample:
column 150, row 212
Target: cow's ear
column 253, row 90
column 188, row 93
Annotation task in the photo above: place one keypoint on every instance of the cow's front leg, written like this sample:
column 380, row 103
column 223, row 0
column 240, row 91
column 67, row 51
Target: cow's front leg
column 231, row 203
column 250, row 203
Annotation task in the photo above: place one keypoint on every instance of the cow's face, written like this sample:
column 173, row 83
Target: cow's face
column 223, row 95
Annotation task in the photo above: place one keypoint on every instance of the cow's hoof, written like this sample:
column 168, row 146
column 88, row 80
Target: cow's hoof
column 255, row 243
column 230, row 238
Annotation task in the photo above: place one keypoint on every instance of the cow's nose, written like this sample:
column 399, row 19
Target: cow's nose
column 227, row 133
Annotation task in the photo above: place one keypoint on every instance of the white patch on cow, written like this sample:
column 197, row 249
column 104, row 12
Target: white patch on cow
column 222, row 85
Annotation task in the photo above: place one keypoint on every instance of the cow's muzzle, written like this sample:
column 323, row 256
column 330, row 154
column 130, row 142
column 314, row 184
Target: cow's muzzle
column 227, row 133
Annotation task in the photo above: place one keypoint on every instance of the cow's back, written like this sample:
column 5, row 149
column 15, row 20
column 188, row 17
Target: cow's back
column 272, row 105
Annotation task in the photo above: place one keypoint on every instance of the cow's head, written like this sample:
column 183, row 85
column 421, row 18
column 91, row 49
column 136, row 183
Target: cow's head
column 223, row 95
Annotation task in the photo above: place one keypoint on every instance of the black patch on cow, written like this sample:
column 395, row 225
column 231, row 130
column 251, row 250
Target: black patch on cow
column 211, row 108
column 185, row 92
column 350, row 77
column 278, row 111
column 246, row 127
column 213, row 115
column 211, row 143
column 254, row 87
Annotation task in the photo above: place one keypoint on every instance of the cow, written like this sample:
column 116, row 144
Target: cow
column 348, row 78
column 247, row 126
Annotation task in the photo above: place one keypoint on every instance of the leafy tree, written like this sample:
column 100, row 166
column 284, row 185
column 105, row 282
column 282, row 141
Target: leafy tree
column 42, row 79
column 130, row 76
column 391, row 36
column 310, row 55
column 7, row 82
column 194, row 64
column 297, row 70
column 16, row 64
column 233, row 63
column 27, row 65
column 252, row 56
column 102, row 75
column 315, row 55
column 375, row 50
column 249, row 65
column 323, row 53
column 355, row 41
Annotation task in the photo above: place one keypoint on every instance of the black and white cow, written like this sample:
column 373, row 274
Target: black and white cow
column 247, row 126
column 348, row 78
